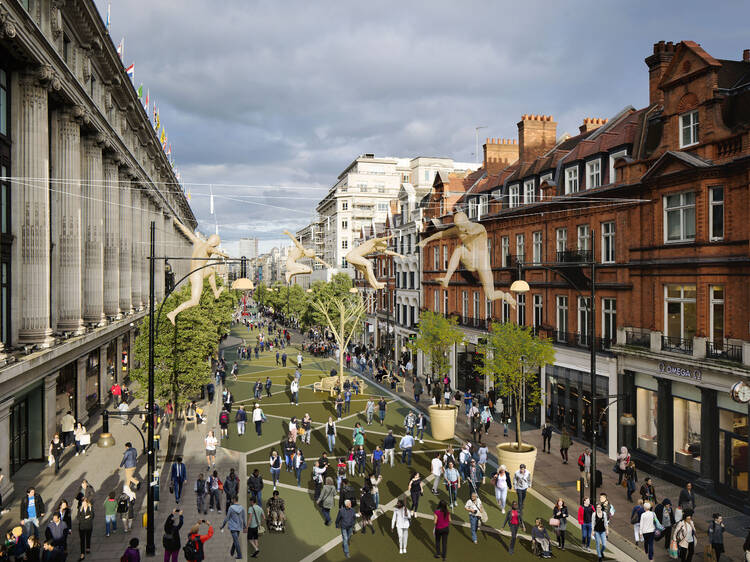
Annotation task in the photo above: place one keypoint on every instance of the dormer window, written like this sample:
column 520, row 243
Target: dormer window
column 689, row 129
column 484, row 205
column 593, row 174
column 571, row 179
column 612, row 157
column 473, row 209
column 515, row 195
column 528, row 191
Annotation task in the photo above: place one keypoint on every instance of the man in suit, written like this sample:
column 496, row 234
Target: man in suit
column 178, row 476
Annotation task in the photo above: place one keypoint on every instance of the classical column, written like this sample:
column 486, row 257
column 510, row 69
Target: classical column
column 144, row 246
column 31, row 215
column 50, row 406
column 111, row 241
column 93, row 224
column 104, row 382
column 81, row 411
column 125, row 235
column 161, row 234
column 65, row 152
column 137, row 212
column 6, row 485
column 118, row 360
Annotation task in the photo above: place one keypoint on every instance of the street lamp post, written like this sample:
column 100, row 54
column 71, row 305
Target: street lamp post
column 151, row 460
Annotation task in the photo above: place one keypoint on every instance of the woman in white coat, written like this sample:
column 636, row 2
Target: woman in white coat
column 401, row 521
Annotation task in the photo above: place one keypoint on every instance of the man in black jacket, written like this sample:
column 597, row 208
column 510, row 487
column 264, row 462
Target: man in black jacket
column 347, row 493
column 255, row 486
column 32, row 510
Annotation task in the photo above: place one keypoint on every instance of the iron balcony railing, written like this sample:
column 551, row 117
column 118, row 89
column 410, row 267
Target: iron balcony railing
column 723, row 350
column 677, row 345
column 638, row 338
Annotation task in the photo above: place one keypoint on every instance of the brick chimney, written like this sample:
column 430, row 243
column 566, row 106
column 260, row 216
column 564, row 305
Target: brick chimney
column 499, row 153
column 591, row 123
column 746, row 55
column 657, row 64
column 536, row 135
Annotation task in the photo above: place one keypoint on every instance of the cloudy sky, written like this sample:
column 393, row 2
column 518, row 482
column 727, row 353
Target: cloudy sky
column 268, row 101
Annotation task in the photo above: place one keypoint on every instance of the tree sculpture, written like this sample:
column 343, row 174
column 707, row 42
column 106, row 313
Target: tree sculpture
column 511, row 357
column 472, row 253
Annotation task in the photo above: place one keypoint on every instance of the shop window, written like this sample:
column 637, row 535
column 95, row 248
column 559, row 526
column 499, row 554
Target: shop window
column 687, row 434
column 647, row 415
column 733, row 463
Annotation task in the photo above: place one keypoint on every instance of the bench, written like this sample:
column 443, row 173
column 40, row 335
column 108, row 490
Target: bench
column 328, row 384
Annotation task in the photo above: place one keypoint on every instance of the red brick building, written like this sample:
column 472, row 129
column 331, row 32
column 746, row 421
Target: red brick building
column 657, row 197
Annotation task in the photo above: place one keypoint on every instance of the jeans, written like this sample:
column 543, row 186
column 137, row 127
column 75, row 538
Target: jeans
column 406, row 456
column 420, row 433
column 468, row 407
column 601, row 543
column 200, row 502
column 388, row 455
column 474, row 520
column 258, row 426
column 513, row 534
column 346, row 535
column 441, row 536
column 501, row 495
column 327, row 515
column 258, row 495
column 347, row 406
column 275, row 472
column 241, row 428
column 376, row 467
column 331, row 442
column 177, row 490
column 410, row 430
column 110, row 523
column 236, row 550
column 586, row 534
column 298, row 473
column 295, row 397
column 521, row 498
column 376, row 497
column 648, row 545
column 381, row 414
column 452, row 495
column 214, row 497
column 361, row 466
column 338, row 411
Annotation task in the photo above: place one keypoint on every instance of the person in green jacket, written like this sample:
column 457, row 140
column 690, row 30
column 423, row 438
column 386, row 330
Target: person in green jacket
column 564, row 445
column 326, row 499
column 110, row 513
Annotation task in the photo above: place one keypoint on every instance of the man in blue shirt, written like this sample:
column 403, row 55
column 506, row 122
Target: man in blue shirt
column 406, row 444
column 467, row 400
column 347, row 400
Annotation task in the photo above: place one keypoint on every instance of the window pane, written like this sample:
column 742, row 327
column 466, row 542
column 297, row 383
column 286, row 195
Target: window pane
column 688, row 291
column 673, row 201
column 674, row 320
column 673, row 225
column 689, row 198
column 673, row 291
column 689, row 222
column 646, row 416
column 718, row 324
column 689, row 320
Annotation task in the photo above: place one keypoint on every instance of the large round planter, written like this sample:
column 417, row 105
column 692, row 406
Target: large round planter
column 512, row 458
column 443, row 422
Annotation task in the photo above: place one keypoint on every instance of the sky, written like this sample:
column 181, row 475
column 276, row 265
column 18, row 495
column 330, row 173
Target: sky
column 267, row 101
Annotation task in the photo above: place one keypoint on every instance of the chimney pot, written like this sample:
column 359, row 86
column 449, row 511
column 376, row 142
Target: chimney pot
column 746, row 55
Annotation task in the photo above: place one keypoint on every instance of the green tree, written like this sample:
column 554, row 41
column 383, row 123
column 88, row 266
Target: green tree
column 261, row 293
column 337, row 288
column 182, row 353
column 511, row 357
column 437, row 336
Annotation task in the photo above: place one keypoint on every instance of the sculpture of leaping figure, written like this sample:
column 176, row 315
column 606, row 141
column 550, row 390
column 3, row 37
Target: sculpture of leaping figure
column 292, row 266
column 202, row 249
column 472, row 253
column 356, row 257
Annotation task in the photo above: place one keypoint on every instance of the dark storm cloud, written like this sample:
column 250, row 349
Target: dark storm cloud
column 288, row 93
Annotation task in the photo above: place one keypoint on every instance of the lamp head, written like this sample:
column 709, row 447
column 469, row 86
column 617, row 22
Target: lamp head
column 520, row 286
column 627, row 420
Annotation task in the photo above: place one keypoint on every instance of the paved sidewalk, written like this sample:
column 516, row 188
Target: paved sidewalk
column 554, row 479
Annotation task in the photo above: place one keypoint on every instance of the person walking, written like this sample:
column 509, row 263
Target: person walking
column 80, row 437
column 129, row 464
column 201, row 489
column 584, row 466
column 171, row 540
column 560, row 513
column 299, row 464
column 686, row 537
column 635, row 520
column 126, row 508
column 436, row 468
column 502, row 484
column 294, row 391
column 235, row 521
column 360, row 457
column 241, row 418
column 546, row 438
column 475, row 509
column 421, row 426
column 67, row 427
column 215, row 487
column 601, row 531
column 366, row 508
column 377, row 459
column 178, row 475
column 268, row 386
column 406, row 445
column 513, row 520
column 211, row 443
column 231, row 487
column 110, row 514
column 255, row 486
column 400, row 522
column 389, row 444
column 442, row 522
column 326, row 499
column 254, row 522
column 666, row 516
column 331, row 434
column 339, row 406
column 623, row 459
column 55, row 452
column 345, row 520
column 585, row 517
column 647, row 528
column 85, row 526
column 631, row 477
column 305, row 429
column 382, row 407
column 374, row 481
column 716, row 535
column 416, row 489
column 452, row 482
column 687, row 497
column 275, row 464
column 521, row 482
column 258, row 418
column 565, row 443
column 370, row 410
column 196, row 541
column 132, row 554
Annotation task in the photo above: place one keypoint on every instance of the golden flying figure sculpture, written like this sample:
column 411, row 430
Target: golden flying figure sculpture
column 202, row 249
column 356, row 257
column 472, row 253
column 298, row 251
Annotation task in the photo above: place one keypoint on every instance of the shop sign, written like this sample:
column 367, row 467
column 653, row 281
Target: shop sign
column 678, row 371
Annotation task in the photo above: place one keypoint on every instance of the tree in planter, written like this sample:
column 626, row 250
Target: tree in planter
column 511, row 356
column 437, row 336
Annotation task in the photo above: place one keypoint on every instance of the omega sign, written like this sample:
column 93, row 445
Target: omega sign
column 677, row 371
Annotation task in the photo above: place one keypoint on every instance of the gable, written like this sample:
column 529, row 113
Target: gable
column 673, row 162
column 689, row 61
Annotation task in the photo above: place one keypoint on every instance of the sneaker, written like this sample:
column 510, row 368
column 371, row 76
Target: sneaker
column 76, row 454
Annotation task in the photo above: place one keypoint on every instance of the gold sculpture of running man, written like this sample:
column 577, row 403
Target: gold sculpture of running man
column 472, row 253
column 202, row 250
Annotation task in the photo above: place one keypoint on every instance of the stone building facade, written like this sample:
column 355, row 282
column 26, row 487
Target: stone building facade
column 82, row 177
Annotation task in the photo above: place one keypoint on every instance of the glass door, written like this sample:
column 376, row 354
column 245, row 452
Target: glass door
column 733, row 461
column 19, row 435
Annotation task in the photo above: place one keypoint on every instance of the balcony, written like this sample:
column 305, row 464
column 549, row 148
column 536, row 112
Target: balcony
column 729, row 147
column 582, row 341
column 575, row 256
column 724, row 351
column 638, row 338
column 476, row 323
column 677, row 345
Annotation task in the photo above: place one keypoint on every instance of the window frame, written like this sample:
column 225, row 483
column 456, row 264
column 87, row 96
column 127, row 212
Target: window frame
column 561, row 310
column 609, row 318
column 583, row 237
column 520, row 248
column 569, row 179
column 504, row 251
column 529, row 194
column 538, row 305
column 564, row 239
column 590, row 173
column 537, row 247
column 608, row 242
column 714, row 301
column 712, row 204
column 484, row 206
column 612, row 158
column 521, row 309
column 681, row 300
column 680, row 209
column 693, row 126
column 514, row 196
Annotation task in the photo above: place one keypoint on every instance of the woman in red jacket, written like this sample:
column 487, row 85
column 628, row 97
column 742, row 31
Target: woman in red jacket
column 197, row 540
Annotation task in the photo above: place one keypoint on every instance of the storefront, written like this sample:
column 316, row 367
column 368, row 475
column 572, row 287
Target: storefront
column 26, row 428
column 688, row 427
column 467, row 359
column 67, row 397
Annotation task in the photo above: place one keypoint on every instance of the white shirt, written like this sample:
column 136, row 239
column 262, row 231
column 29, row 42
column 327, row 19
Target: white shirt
column 211, row 443
column 294, row 386
column 501, row 483
column 292, row 426
column 299, row 358
column 257, row 415
column 401, row 518
column 472, row 505
column 647, row 522
column 522, row 481
column 437, row 467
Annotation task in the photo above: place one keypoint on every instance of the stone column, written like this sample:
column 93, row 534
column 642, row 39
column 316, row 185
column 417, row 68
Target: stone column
column 118, row 360
column 145, row 241
column 125, row 235
column 31, row 209
column 137, row 212
column 111, row 239
column 104, row 383
column 65, row 152
column 6, row 486
column 50, row 407
column 81, row 412
column 93, row 225
column 161, row 251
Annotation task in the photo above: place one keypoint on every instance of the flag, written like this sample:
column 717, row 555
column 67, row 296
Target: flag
column 211, row 199
column 131, row 72
column 163, row 139
column 121, row 48
column 109, row 7
column 145, row 105
column 156, row 118
column 169, row 151
column 140, row 91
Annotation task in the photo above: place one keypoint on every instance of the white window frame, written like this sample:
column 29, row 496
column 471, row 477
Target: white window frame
column 436, row 301
column 520, row 248
column 504, row 251
column 344, row 205
column 528, row 191
column 344, row 244
column 713, row 204
column 484, row 206
column 584, row 238
column 584, row 310
column 464, row 305
column 445, row 257
column 572, row 184
column 514, row 196
column 681, row 300
column 445, row 301
column 487, row 309
column 436, row 258
column 538, row 303
column 473, row 208
column 505, row 311
column 344, row 224
column 544, row 178
column 608, row 242
column 689, row 123
column 593, row 173
column 714, row 301
column 681, row 208
column 561, row 239
column 609, row 318
column 537, row 248
column 521, row 309
column 612, row 157
column 561, row 310
column 476, row 308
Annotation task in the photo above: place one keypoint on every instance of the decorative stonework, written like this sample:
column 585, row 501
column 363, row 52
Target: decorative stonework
column 7, row 25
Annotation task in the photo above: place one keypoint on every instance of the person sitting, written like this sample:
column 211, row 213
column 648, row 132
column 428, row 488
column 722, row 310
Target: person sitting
column 275, row 512
column 540, row 536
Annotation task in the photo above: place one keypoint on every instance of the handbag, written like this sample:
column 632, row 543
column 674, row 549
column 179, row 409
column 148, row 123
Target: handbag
column 616, row 467
column 554, row 522
column 673, row 550
column 261, row 528
column 171, row 488
column 85, row 439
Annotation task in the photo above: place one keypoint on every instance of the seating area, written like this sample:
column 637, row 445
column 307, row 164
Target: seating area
column 329, row 384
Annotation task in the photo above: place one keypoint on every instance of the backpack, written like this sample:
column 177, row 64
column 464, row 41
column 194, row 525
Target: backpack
column 123, row 504
column 190, row 550
column 200, row 487
column 224, row 417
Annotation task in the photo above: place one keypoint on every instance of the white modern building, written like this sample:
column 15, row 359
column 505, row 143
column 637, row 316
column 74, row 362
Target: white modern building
column 248, row 248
